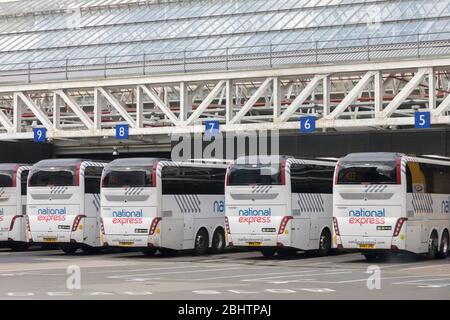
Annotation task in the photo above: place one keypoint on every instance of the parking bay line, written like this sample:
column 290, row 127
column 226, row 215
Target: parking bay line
column 176, row 272
column 365, row 279
column 294, row 275
column 113, row 277
column 146, row 269
column 418, row 281
column 247, row 275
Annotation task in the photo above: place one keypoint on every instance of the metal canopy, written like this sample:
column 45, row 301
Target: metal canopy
column 44, row 33
column 164, row 67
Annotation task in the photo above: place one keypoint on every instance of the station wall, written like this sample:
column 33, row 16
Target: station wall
column 24, row 152
column 337, row 144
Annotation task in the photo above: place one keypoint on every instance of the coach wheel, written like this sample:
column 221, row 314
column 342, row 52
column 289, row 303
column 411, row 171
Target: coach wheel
column 201, row 242
column 218, row 241
column 443, row 249
column 165, row 252
column 286, row 252
column 20, row 247
column 370, row 256
column 432, row 246
column 149, row 251
column 268, row 253
column 324, row 243
column 69, row 249
column 90, row 250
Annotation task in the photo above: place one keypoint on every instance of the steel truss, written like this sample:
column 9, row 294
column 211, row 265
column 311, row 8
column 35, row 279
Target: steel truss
column 378, row 95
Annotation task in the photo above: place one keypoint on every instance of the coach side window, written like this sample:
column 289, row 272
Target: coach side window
column 441, row 179
column 307, row 178
column 92, row 176
column 192, row 180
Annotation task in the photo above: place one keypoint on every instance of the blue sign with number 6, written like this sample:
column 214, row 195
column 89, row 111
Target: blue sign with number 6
column 40, row 134
column 122, row 131
column 211, row 127
column 422, row 120
column 307, row 124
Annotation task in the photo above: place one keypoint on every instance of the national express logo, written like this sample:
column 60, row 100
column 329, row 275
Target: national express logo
column 218, row 206
column 52, row 214
column 127, row 216
column 363, row 216
column 251, row 215
column 445, row 206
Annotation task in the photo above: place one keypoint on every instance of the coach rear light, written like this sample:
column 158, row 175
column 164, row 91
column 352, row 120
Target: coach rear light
column 227, row 226
column 398, row 226
column 77, row 221
column 283, row 224
column 27, row 220
column 154, row 224
column 11, row 226
column 102, row 227
column 336, row 226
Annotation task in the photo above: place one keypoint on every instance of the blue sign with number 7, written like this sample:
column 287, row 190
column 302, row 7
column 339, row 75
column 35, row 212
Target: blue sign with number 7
column 422, row 120
column 40, row 134
column 211, row 127
column 122, row 131
column 307, row 124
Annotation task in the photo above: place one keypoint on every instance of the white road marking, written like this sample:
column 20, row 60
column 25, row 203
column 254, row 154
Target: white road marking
column 250, row 275
column 176, row 272
column 295, row 275
column 317, row 290
column 142, row 279
column 425, row 267
column 306, row 264
column 422, row 280
column 290, row 281
column 365, row 279
column 139, row 270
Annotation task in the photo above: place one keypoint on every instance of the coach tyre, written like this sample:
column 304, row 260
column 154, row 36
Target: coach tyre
column 324, row 243
column 433, row 246
column 287, row 252
column 443, row 248
column 370, row 256
column 69, row 249
column 218, row 241
column 20, row 247
column 201, row 242
column 90, row 250
column 268, row 253
column 149, row 251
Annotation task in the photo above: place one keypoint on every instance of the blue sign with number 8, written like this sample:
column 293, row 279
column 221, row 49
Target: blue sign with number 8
column 40, row 134
column 307, row 124
column 122, row 131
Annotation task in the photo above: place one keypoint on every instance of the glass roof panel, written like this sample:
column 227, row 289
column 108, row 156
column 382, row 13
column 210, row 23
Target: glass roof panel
column 48, row 30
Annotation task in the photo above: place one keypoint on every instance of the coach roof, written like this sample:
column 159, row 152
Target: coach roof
column 134, row 162
column 372, row 156
column 11, row 166
column 62, row 162
column 261, row 159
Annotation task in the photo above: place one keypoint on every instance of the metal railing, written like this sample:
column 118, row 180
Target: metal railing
column 231, row 58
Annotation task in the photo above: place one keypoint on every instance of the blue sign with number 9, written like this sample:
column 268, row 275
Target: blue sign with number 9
column 40, row 134
column 211, row 127
column 422, row 120
column 122, row 131
column 307, row 124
